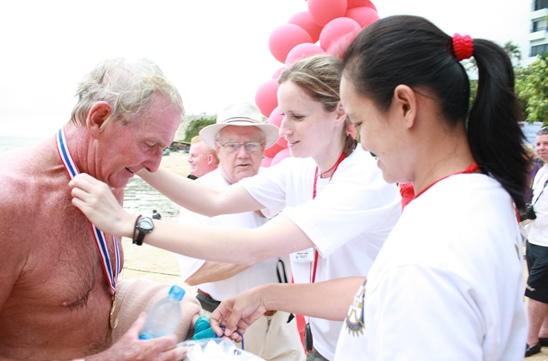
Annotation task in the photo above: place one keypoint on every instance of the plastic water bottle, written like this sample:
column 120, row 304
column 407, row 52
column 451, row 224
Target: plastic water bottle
column 164, row 315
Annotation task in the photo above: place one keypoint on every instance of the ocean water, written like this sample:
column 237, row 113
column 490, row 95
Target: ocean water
column 140, row 198
column 12, row 144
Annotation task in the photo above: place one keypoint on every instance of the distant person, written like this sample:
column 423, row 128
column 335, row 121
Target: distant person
column 535, row 164
column 537, row 254
column 329, row 205
column 202, row 158
column 60, row 298
column 156, row 215
column 240, row 137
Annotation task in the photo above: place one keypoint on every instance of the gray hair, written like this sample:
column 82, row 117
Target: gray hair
column 128, row 86
column 543, row 131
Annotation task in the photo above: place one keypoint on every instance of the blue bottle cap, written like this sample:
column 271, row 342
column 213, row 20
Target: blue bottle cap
column 177, row 292
column 145, row 336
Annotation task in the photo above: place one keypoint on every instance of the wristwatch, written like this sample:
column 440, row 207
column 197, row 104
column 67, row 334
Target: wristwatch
column 143, row 225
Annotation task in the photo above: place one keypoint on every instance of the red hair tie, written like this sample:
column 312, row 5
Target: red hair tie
column 463, row 46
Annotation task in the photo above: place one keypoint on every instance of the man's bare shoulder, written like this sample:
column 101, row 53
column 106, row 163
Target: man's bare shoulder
column 17, row 174
column 17, row 219
column 16, row 182
column 30, row 179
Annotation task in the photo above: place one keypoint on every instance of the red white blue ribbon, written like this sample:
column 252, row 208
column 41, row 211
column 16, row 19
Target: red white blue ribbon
column 100, row 238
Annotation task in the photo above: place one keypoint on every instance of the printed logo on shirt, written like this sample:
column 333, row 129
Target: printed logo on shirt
column 354, row 323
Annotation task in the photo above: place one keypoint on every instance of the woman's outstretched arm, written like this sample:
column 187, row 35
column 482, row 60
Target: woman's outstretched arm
column 277, row 237
column 329, row 300
column 198, row 197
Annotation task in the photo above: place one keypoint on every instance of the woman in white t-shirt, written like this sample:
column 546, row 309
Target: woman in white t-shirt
column 333, row 211
column 448, row 283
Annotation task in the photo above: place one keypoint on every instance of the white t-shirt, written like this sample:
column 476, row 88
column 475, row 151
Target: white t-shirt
column 256, row 275
column 448, row 282
column 537, row 229
column 348, row 221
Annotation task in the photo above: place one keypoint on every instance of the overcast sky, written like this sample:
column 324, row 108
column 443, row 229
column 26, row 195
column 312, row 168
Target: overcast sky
column 215, row 51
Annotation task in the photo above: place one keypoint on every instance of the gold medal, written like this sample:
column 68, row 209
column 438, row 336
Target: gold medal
column 114, row 312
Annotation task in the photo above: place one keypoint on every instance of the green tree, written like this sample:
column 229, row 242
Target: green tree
column 473, row 92
column 532, row 89
column 530, row 85
column 196, row 125
column 512, row 49
column 513, row 52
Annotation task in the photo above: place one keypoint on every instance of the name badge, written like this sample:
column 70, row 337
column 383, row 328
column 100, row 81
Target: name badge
column 304, row 256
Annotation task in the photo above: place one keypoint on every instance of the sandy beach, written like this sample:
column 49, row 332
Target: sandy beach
column 176, row 162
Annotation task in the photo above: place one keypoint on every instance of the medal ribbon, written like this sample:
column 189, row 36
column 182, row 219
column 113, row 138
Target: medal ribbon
column 100, row 237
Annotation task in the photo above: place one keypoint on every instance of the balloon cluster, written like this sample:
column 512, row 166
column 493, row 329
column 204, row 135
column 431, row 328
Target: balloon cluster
column 328, row 27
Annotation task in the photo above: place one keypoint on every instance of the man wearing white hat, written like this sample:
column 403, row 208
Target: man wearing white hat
column 240, row 137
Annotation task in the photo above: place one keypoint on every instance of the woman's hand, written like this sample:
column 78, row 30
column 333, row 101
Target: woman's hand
column 235, row 314
column 95, row 199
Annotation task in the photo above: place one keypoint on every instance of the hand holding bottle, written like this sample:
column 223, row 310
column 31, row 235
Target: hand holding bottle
column 129, row 347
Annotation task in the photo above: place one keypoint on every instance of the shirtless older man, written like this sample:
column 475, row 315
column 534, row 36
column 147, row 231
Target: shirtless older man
column 57, row 288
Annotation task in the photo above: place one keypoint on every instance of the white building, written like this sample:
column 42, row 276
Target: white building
column 538, row 38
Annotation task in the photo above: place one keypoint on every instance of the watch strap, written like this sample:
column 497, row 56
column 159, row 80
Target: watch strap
column 137, row 238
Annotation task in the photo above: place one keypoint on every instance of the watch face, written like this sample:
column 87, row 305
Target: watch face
column 145, row 224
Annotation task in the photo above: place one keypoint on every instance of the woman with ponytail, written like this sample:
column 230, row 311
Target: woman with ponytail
column 448, row 282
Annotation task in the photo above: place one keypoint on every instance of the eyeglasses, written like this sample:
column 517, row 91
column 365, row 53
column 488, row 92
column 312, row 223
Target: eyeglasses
column 233, row 147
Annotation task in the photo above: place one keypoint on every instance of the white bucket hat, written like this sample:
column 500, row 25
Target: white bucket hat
column 242, row 115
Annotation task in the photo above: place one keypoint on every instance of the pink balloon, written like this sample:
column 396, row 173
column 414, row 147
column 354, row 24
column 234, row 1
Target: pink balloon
column 266, row 96
column 265, row 162
column 282, row 142
column 276, row 117
column 304, row 20
column 335, row 29
column 282, row 154
column 364, row 15
column 278, row 72
column 272, row 151
column 357, row 3
column 284, row 38
column 302, row 51
column 339, row 46
column 323, row 11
